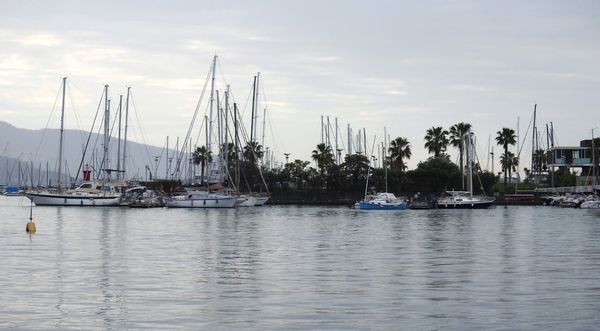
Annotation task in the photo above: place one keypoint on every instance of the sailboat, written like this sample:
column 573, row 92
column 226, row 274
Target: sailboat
column 466, row 199
column 213, row 196
column 381, row 200
column 89, row 193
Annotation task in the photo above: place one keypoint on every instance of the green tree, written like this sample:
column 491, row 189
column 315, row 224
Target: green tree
column 510, row 162
column 504, row 138
column 436, row 140
column 457, row 135
column 297, row 173
column 595, row 154
column 323, row 156
column 399, row 150
column 201, row 156
column 436, row 174
column 253, row 152
column 539, row 160
column 354, row 168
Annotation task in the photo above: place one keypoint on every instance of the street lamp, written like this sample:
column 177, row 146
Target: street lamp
column 287, row 156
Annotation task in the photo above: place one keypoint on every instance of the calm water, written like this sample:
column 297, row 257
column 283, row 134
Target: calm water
column 299, row 268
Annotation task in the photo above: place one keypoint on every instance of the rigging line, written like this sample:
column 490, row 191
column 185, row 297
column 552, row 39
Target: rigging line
column 273, row 130
column 526, row 133
column 247, row 102
column 187, row 136
column 89, row 137
column 75, row 113
column 202, row 124
column 141, row 127
column 43, row 141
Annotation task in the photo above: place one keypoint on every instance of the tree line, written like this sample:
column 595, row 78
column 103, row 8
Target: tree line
column 436, row 174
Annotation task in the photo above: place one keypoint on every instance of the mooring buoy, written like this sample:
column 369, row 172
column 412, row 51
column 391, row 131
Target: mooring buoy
column 30, row 227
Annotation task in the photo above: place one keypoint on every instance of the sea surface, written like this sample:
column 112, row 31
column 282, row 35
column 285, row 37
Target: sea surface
column 298, row 268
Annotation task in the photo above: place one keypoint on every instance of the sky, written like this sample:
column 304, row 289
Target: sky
column 388, row 67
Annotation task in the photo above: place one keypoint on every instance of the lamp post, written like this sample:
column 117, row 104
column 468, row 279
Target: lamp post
column 287, row 156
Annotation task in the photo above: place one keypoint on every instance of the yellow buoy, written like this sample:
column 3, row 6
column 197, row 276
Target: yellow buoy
column 30, row 227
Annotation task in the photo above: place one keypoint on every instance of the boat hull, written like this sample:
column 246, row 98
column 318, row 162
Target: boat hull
column 590, row 205
column 381, row 206
column 248, row 201
column 261, row 201
column 465, row 204
column 73, row 200
column 208, row 202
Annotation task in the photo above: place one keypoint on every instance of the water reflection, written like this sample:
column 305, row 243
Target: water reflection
column 301, row 268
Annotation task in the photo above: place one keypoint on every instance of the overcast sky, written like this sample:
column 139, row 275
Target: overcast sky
column 405, row 66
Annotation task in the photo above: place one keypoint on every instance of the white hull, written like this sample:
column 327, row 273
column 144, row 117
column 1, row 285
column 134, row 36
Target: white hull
column 261, row 201
column 205, row 202
column 590, row 205
column 247, row 201
column 73, row 200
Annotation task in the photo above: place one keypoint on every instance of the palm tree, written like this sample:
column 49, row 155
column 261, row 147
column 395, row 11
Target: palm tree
column 509, row 161
column 506, row 137
column 323, row 156
column 457, row 134
column 399, row 150
column 436, row 140
column 229, row 150
column 539, row 159
column 539, row 162
column 356, row 167
column 253, row 152
column 202, row 156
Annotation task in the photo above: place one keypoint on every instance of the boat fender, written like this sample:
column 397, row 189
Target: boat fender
column 204, row 202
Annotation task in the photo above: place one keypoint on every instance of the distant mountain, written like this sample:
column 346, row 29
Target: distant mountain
column 36, row 151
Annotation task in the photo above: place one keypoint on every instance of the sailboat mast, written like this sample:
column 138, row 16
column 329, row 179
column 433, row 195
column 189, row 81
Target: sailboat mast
column 226, row 140
column 255, row 136
column 212, row 99
column 534, row 167
column 470, row 160
column 349, row 140
column 237, row 157
column 119, row 138
column 263, row 134
column 219, row 141
column 106, row 127
column 125, row 138
column 167, row 166
column 253, row 110
column 62, row 130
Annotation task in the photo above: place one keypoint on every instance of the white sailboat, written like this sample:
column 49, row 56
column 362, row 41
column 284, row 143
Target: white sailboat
column 382, row 200
column 89, row 193
column 201, row 199
column 466, row 199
